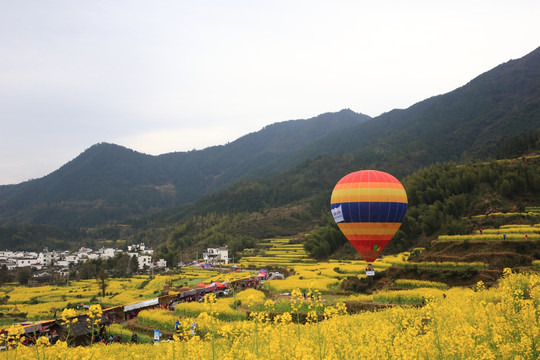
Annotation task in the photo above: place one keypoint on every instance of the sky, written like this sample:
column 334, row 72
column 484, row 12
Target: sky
column 166, row 76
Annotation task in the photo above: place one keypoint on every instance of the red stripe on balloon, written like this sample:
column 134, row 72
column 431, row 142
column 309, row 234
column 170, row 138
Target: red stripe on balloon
column 365, row 248
column 368, row 176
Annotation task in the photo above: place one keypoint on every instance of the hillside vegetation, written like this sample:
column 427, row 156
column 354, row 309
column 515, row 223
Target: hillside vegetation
column 109, row 183
column 443, row 199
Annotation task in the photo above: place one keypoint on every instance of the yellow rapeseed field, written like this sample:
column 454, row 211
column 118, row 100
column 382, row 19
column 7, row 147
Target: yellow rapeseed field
column 409, row 283
column 497, row 323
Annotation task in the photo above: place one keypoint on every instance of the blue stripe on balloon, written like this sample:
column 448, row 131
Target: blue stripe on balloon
column 372, row 211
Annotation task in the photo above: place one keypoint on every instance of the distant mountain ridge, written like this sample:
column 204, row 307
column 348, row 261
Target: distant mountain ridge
column 466, row 124
column 108, row 182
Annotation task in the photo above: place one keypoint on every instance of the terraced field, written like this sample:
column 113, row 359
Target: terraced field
column 504, row 233
column 283, row 252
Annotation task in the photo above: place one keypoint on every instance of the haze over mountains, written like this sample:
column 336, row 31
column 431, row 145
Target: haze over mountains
column 109, row 183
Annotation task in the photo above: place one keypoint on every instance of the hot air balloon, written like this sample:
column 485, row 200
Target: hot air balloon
column 369, row 206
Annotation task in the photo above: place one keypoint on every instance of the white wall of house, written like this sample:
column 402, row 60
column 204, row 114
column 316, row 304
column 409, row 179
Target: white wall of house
column 107, row 253
column 217, row 255
column 144, row 260
column 160, row 263
column 46, row 258
column 72, row 259
column 62, row 263
column 25, row 262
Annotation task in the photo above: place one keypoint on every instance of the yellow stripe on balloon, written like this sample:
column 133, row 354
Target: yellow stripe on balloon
column 369, row 228
column 368, row 191
column 368, row 195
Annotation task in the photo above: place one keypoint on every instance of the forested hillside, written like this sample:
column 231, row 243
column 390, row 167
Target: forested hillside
column 278, row 181
column 441, row 199
column 466, row 124
column 444, row 197
column 109, row 183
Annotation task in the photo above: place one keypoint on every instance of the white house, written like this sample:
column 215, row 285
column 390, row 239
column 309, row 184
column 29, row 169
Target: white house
column 140, row 248
column 71, row 259
column 26, row 262
column 46, row 257
column 144, row 260
column 7, row 255
column 10, row 264
column 62, row 263
column 160, row 264
column 92, row 256
column 215, row 256
column 106, row 253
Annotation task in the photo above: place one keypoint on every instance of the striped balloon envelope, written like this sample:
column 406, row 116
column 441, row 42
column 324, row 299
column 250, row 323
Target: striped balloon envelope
column 369, row 206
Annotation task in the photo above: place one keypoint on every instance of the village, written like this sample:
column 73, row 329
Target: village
column 74, row 327
column 58, row 263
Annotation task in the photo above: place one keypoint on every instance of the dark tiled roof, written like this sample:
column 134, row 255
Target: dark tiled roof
column 81, row 327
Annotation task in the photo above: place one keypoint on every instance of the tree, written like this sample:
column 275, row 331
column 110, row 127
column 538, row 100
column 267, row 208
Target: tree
column 102, row 281
column 23, row 275
column 323, row 241
column 120, row 265
column 88, row 270
column 133, row 264
column 4, row 274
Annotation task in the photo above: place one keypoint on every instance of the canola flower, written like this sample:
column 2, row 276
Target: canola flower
column 512, row 230
column 94, row 319
column 320, row 282
column 501, row 322
column 68, row 319
column 279, row 252
column 224, row 307
column 410, row 283
column 510, row 236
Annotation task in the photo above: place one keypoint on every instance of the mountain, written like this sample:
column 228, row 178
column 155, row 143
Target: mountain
column 109, row 183
column 466, row 124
